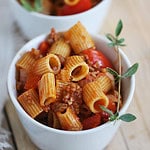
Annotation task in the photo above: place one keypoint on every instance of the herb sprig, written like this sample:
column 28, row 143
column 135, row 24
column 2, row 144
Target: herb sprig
column 117, row 42
column 131, row 71
column 128, row 117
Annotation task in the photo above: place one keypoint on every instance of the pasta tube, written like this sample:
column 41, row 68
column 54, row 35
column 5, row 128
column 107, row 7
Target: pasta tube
column 69, row 120
column 61, row 47
column 49, row 63
column 47, row 90
column 30, row 102
column 93, row 97
column 79, row 38
column 77, row 68
column 26, row 61
column 106, row 82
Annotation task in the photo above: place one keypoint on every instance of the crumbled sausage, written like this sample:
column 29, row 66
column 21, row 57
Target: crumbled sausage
column 72, row 95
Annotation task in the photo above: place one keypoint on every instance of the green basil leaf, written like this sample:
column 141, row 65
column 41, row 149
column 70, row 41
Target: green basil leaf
column 132, row 70
column 119, row 28
column 127, row 117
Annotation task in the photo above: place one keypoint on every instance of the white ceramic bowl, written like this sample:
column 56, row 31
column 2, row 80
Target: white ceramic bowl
column 33, row 24
column 47, row 138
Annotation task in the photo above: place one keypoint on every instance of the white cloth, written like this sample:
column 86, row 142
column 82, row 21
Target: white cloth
column 4, row 137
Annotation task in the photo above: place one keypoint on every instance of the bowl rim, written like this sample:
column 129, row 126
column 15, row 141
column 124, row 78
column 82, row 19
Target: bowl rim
column 44, row 16
column 58, row 131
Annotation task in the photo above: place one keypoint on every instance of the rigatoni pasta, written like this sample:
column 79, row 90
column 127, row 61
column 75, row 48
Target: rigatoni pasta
column 26, row 61
column 47, row 90
column 69, row 120
column 106, row 82
column 61, row 47
column 93, row 96
column 49, row 63
column 77, row 68
column 30, row 102
column 64, row 84
column 79, row 38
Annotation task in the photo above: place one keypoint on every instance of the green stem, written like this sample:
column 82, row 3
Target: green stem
column 120, row 72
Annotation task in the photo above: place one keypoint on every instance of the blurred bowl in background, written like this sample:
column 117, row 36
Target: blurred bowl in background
column 33, row 24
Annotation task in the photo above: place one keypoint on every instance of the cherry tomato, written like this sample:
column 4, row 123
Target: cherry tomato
column 96, row 56
column 104, row 116
column 81, row 6
column 43, row 47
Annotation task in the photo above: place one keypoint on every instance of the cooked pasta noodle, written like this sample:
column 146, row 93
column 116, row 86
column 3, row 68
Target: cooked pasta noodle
column 47, row 90
column 26, row 61
column 106, row 82
column 79, row 38
column 93, row 96
column 60, row 47
column 69, row 120
column 77, row 68
column 49, row 63
column 30, row 102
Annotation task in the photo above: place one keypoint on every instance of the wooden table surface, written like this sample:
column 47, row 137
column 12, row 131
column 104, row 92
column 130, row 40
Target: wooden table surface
column 136, row 31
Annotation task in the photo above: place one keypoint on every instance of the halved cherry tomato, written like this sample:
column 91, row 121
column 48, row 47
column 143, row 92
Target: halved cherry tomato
column 43, row 47
column 96, row 56
column 81, row 6
column 104, row 116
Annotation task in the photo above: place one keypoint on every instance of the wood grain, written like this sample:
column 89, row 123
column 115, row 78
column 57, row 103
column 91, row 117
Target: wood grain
column 136, row 30
column 22, row 140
